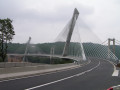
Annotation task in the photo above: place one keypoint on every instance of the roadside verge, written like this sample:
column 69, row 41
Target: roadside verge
column 37, row 70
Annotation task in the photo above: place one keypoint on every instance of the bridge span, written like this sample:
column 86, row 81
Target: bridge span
column 46, row 55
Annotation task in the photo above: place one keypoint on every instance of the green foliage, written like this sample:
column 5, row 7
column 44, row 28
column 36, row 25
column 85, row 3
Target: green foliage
column 38, row 59
column 118, row 65
column 98, row 50
column 6, row 35
column 16, row 48
column 44, row 48
column 90, row 49
column 47, row 60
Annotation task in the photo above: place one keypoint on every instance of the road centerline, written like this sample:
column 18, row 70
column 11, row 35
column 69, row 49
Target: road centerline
column 76, row 75
column 44, row 73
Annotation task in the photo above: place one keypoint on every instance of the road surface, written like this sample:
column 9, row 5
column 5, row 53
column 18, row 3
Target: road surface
column 97, row 75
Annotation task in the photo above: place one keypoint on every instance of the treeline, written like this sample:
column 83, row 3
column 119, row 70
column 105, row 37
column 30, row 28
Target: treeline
column 90, row 49
column 44, row 48
column 48, row 60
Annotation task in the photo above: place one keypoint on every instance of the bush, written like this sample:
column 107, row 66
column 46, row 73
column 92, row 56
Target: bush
column 46, row 60
column 118, row 65
column 1, row 59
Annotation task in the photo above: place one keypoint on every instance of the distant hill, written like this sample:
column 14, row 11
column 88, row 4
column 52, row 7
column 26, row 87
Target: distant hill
column 90, row 49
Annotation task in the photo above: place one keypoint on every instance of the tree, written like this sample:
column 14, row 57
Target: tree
column 6, row 35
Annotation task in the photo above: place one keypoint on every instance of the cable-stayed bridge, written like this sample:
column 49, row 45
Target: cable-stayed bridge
column 65, row 45
column 97, row 74
column 68, row 44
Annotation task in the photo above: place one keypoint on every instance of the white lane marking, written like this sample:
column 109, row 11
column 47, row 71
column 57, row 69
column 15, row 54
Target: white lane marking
column 46, row 73
column 85, row 63
column 115, row 73
column 76, row 75
column 118, row 86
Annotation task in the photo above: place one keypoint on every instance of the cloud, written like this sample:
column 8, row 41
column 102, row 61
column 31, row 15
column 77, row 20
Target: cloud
column 36, row 18
column 106, row 19
column 43, row 20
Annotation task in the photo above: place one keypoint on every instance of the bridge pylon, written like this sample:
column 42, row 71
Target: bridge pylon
column 71, row 28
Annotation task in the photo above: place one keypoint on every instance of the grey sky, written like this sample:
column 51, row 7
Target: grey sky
column 43, row 20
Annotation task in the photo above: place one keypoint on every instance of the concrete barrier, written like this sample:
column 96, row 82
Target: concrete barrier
column 35, row 68
column 31, row 68
column 14, row 72
column 24, row 67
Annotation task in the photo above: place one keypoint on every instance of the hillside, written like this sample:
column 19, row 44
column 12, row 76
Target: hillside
column 90, row 49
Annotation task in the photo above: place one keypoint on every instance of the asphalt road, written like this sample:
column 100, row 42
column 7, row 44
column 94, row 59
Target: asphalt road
column 96, row 75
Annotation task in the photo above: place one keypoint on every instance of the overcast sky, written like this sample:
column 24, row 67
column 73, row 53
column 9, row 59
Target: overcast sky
column 43, row 20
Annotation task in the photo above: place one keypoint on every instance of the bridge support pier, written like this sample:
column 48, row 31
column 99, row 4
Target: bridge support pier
column 26, row 49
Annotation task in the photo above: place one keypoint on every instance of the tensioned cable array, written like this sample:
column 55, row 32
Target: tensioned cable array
column 75, row 47
column 69, row 42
